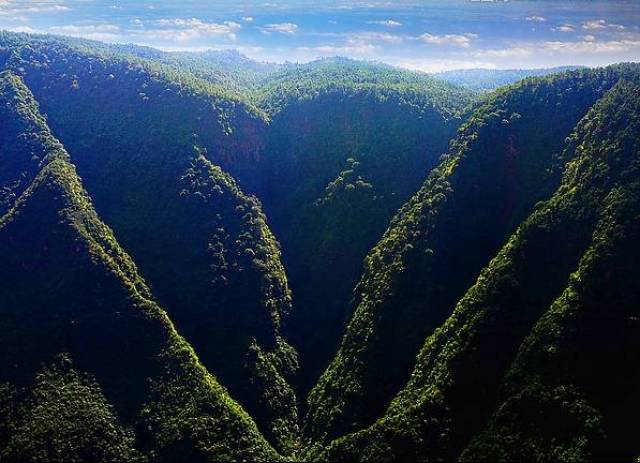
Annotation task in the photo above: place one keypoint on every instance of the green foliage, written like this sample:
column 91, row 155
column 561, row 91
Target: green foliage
column 496, row 318
column 460, row 370
column 19, row 135
column 329, row 118
column 67, row 286
column 240, row 244
column 65, row 417
column 502, row 162
column 587, row 341
column 132, row 114
column 313, row 80
column 139, row 133
column 226, row 69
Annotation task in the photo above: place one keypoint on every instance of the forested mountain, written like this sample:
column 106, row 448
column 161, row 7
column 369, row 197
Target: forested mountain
column 497, row 169
column 224, row 67
column 526, row 340
column 347, row 145
column 71, row 297
column 139, row 140
column 482, row 80
column 187, row 241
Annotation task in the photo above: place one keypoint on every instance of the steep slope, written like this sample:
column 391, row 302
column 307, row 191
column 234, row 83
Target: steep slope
column 577, row 371
column 22, row 138
column 558, row 410
column 67, row 287
column 344, row 144
column 499, row 166
column 347, row 144
column 142, row 137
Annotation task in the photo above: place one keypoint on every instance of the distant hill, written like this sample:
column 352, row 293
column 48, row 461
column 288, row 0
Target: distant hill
column 483, row 80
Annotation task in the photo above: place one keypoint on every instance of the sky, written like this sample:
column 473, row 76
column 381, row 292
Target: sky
column 427, row 35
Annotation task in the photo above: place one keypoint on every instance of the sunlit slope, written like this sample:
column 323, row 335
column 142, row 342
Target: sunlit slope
column 572, row 390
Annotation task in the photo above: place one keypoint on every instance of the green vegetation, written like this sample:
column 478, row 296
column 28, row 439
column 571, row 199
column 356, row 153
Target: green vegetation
column 499, row 166
column 348, row 143
column 575, row 372
column 459, row 372
column 65, row 417
column 148, row 312
column 90, row 304
column 138, row 135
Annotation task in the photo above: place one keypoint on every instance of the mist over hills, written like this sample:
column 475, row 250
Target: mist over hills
column 483, row 80
column 208, row 258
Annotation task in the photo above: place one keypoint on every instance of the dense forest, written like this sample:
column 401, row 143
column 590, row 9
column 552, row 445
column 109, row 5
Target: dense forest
column 207, row 258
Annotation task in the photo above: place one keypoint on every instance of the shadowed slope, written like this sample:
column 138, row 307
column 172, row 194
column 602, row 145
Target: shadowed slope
column 142, row 136
column 66, row 286
column 348, row 143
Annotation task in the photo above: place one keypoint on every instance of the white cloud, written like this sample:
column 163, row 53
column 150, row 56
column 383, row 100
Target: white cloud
column 44, row 9
column 600, row 24
column 585, row 48
column 535, row 18
column 105, row 32
column 354, row 51
column 386, row 23
column 510, row 52
column 25, row 29
column 247, row 19
column 591, row 47
column 595, row 24
column 367, row 37
column 282, row 28
column 437, row 65
column 458, row 40
column 186, row 29
column 71, row 28
column 16, row 11
column 564, row 28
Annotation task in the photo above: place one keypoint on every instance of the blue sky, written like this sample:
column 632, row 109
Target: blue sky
column 430, row 35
